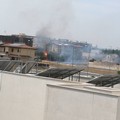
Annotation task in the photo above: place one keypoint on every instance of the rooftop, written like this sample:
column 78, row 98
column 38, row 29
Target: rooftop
column 89, row 88
column 18, row 45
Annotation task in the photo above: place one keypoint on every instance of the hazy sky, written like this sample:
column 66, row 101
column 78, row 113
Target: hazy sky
column 94, row 21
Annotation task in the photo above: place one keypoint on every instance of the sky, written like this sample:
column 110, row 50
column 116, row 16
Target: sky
column 93, row 21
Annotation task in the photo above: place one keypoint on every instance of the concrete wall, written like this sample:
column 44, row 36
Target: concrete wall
column 23, row 97
column 73, row 104
column 117, row 86
column 118, row 110
column 2, row 49
column 28, row 52
column 22, row 51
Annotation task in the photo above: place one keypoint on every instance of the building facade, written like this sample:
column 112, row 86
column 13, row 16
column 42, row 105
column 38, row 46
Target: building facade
column 21, row 38
column 24, row 97
column 17, row 51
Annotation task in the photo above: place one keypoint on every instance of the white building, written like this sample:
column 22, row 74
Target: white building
column 25, row 97
column 82, row 103
column 113, row 58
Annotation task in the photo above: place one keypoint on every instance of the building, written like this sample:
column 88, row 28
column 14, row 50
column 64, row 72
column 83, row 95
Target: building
column 26, row 97
column 112, row 58
column 31, row 97
column 70, row 52
column 21, row 38
column 17, row 51
column 53, row 47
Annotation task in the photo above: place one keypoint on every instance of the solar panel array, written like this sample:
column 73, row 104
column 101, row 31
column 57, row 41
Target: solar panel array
column 106, row 81
column 59, row 72
column 12, row 66
column 7, row 65
column 27, row 67
column 16, row 66
column 4, row 64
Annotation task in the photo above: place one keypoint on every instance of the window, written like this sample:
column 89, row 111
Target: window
column 6, row 52
column 18, row 50
column 12, row 50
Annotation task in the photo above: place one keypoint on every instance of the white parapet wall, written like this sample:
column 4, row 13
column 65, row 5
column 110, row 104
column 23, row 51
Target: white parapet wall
column 25, row 97
column 82, row 103
column 22, row 97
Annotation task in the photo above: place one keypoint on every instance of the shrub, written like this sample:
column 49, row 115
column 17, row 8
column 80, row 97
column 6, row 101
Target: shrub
column 118, row 72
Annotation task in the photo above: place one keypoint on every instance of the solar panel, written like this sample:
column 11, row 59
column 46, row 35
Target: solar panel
column 59, row 72
column 12, row 66
column 4, row 64
column 27, row 67
column 107, row 80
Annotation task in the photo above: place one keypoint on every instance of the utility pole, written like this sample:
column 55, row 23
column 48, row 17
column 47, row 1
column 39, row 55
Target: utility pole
column 88, row 61
column 72, row 55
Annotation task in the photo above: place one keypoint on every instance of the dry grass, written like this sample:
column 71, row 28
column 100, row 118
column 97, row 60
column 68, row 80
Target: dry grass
column 93, row 69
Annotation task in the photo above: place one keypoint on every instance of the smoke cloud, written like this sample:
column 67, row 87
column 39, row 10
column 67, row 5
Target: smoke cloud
column 59, row 20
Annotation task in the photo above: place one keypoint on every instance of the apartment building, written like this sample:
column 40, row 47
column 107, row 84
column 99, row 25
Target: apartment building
column 17, row 51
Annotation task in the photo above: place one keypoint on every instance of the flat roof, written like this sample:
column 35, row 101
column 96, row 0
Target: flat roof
column 88, row 88
column 17, row 45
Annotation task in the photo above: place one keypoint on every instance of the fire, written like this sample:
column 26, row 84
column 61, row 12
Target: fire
column 46, row 53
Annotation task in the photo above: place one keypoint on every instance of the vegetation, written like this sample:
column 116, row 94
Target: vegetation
column 55, row 57
column 111, row 51
column 118, row 72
